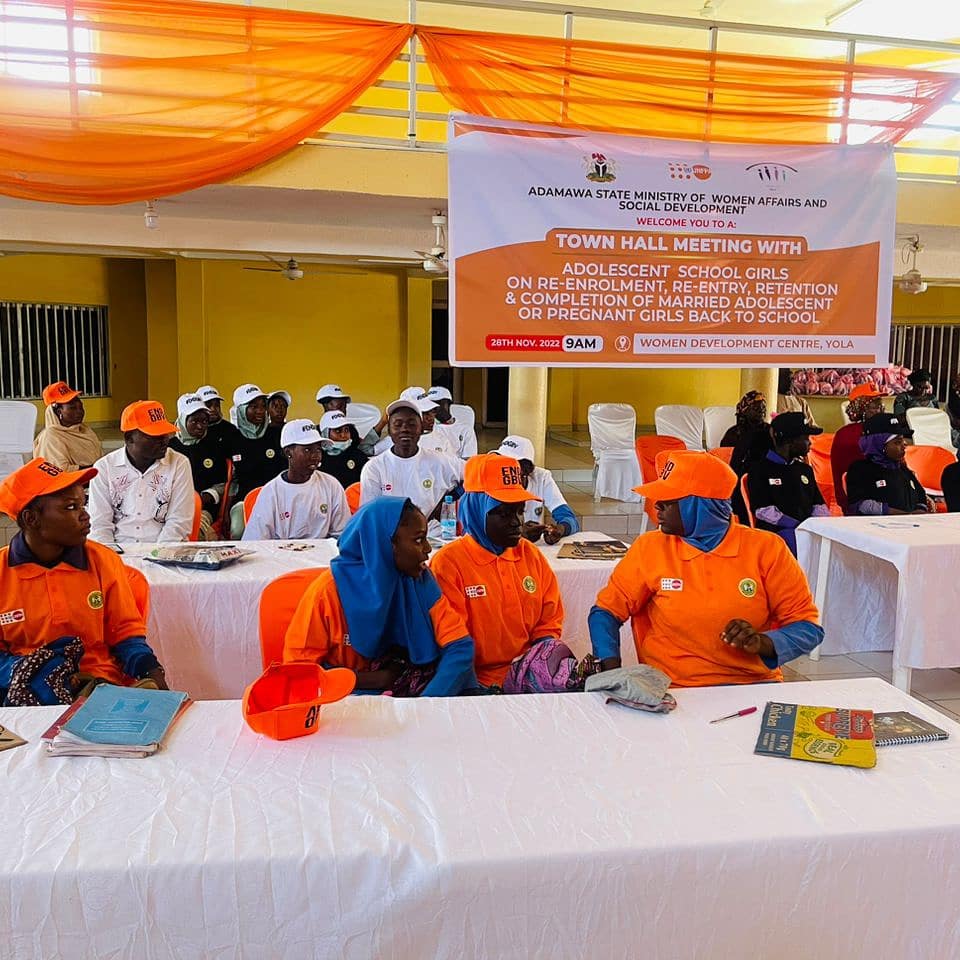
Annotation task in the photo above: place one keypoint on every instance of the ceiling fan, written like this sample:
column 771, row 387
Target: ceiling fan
column 433, row 260
column 290, row 270
column 912, row 280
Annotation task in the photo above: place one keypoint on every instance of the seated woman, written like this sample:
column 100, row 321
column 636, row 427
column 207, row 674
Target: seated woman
column 710, row 601
column 278, row 403
column 750, row 436
column 66, row 441
column 379, row 612
column 342, row 456
column 500, row 583
column 205, row 453
column 301, row 503
column 74, row 619
column 259, row 456
column 865, row 401
column 883, row 483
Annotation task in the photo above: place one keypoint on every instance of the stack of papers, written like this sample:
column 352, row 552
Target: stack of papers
column 197, row 556
column 116, row 722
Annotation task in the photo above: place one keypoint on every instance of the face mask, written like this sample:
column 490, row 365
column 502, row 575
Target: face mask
column 338, row 446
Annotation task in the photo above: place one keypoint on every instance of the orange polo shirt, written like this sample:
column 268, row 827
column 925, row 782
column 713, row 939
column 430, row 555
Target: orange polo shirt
column 38, row 605
column 679, row 599
column 318, row 631
column 507, row 601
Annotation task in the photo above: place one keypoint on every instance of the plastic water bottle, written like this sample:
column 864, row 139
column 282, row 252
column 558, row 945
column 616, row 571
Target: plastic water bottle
column 448, row 519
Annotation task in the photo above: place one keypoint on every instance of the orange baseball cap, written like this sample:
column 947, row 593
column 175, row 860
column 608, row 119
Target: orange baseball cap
column 147, row 416
column 496, row 475
column 284, row 701
column 687, row 473
column 59, row 392
column 37, row 479
column 868, row 390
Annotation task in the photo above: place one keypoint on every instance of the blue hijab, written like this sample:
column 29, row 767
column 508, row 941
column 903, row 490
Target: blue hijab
column 472, row 510
column 382, row 606
column 705, row 521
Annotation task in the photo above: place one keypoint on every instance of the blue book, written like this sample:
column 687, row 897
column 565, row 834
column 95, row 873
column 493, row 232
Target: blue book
column 126, row 716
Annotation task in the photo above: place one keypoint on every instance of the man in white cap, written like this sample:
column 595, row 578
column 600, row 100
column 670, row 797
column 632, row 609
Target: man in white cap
column 430, row 439
column 332, row 397
column 539, row 481
column 301, row 503
column 461, row 435
column 424, row 476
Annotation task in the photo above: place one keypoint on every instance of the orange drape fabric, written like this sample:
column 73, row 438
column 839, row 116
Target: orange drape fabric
column 107, row 101
column 683, row 94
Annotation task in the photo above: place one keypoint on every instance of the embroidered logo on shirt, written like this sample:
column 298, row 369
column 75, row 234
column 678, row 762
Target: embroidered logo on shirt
column 11, row 616
column 804, row 478
column 748, row 587
column 427, row 483
column 537, row 511
column 670, row 583
column 323, row 508
column 529, row 584
column 776, row 482
column 271, row 453
column 387, row 487
column 475, row 591
column 95, row 599
column 351, row 464
column 207, row 463
column 881, row 483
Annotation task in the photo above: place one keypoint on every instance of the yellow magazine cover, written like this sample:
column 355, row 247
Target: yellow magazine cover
column 821, row 734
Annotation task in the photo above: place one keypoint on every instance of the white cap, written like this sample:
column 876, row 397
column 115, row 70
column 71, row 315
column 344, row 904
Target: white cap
column 520, row 448
column 404, row 403
column 413, row 393
column 189, row 403
column 281, row 393
column 245, row 393
column 335, row 419
column 299, row 432
column 331, row 391
column 439, row 393
column 208, row 393
column 418, row 396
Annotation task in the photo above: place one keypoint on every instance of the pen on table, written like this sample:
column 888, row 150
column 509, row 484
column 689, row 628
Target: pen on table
column 740, row 713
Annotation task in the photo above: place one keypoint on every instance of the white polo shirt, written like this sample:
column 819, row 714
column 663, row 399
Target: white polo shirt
column 423, row 478
column 127, row 506
column 298, row 511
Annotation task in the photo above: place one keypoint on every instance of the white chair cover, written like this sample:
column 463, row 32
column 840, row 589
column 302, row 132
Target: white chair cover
column 233, row 415
column 931, row 427
column 681, row 421
column 18, row 422
column 716, row 422
column 367, row 416
column 464, row 414
column 613, row 428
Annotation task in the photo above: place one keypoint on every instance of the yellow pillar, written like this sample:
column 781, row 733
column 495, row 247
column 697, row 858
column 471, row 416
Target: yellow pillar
column 763, row 379
column 193, row 359
column 163, row 381
column 416, row 366
column 527, row 406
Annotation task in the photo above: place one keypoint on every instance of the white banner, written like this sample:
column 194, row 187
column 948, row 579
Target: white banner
column 582, row 249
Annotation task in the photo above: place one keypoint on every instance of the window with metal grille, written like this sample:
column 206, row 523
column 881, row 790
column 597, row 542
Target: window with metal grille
column 931, row 346
column 42, row 343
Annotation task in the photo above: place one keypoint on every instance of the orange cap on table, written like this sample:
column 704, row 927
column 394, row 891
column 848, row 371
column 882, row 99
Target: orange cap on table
column 37, row 479
column 687, row 473
column 284, row 701
column 496, row 475
column 864, row 390
column 147, row 416
column 59, row 392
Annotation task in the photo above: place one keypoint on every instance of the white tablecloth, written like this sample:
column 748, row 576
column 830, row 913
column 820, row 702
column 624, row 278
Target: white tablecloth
column 889, row 585
column 495, row 827
column 204, row 625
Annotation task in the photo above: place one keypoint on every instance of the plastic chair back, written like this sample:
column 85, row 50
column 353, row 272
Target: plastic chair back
column 612, row 426
column 931, row 427
column 716, row 422
column 682, row 421
column 464, row 414
column 278, row 602
column 746, row 499
column 197, row 510
column 722, row 453
column 248, row 501
column 140, row 587
column 18, row 422
column 352, row 494
column 928, row 463
column 367, row 416
column 819, row 460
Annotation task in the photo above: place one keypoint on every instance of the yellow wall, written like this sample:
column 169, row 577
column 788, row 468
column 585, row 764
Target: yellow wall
column 938, row 305
column 91, row 281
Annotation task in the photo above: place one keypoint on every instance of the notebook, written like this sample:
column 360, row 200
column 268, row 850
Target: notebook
column 592, row 550
column 900, row 726
column 821, row 734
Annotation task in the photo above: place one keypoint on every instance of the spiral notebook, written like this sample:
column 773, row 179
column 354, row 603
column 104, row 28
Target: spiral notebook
column 891, row 729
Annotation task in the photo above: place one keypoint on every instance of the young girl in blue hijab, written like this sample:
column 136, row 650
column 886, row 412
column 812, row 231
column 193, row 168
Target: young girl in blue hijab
column 379, row 611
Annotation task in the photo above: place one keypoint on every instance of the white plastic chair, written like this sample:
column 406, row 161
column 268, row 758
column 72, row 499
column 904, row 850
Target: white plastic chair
column 716, row 422
column 18, row 423
column 613, row 428
column 681, row 421
column 367, row 416
column 931, row 427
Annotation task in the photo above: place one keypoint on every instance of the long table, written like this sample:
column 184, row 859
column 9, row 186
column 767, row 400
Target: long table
column 492, row 827
column 204, row 625
column 885, row 583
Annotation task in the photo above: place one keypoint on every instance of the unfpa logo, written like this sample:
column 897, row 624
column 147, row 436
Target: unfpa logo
column 680, row 170
column 600, row 168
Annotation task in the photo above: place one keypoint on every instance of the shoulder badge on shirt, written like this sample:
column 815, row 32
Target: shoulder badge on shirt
column 207, row 463
column 323, row 508
column 529, row 584
column 95, row 599
column 9, row 617
column 776, row 482
column 476, row 591
column 427, row 483
column 538, row 511
column 881, row 483
column 747, row 587
column 271, row 453
column 351, row 464
column 804, row 478
column 671, row 583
